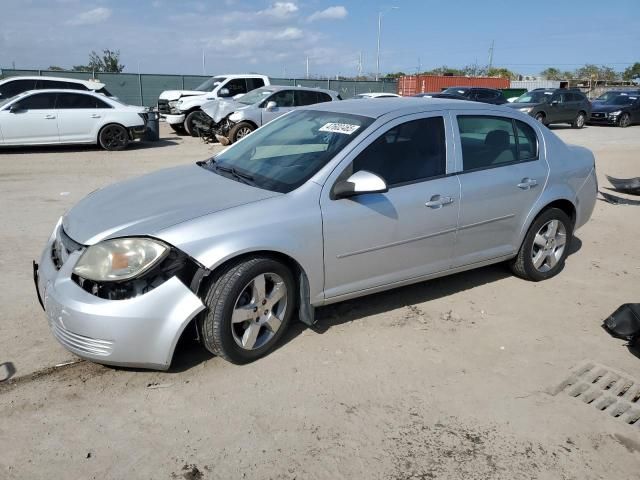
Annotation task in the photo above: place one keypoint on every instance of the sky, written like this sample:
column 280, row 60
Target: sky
column 276, row 37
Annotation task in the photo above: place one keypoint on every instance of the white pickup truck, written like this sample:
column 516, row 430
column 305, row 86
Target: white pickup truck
column 181, row 108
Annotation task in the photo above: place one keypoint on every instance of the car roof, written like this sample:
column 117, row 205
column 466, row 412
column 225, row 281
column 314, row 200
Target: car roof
column 277, row 88
column 399, row 106
column 89, row 83
column 65, row 90
column 240, row 75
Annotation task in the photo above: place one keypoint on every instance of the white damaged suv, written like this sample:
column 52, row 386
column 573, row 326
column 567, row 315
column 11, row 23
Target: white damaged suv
column 181, row 108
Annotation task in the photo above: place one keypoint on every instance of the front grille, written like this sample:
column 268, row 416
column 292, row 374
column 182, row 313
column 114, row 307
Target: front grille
column 163, row 106
column 92, row 346
column 62, row 247
column 598, row 115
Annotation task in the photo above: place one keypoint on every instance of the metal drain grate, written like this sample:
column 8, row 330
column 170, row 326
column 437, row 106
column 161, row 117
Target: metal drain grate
column 607, row 390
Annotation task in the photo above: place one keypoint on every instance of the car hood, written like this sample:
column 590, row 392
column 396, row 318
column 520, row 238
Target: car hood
column 176, row 94
column 599, row 107
column 148, row 204
column 218, row 109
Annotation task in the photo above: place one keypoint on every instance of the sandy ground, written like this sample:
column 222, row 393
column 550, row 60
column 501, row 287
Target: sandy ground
column 444, row 379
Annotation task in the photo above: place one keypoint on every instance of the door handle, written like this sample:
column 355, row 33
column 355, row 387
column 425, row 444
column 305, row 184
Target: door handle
column 95, row 115
column 527, row 183
column 50, row 117
column 438, row 201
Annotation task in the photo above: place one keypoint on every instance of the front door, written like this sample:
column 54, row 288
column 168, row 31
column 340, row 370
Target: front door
column 33, row 120
column 284, row 100
column 375, row 240
column 502, row 172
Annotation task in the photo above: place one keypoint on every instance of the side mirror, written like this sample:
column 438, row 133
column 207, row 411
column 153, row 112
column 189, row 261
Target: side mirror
column 555, row 102
column 224, row 92
column 358, row 184
column 271, row 106
column 14, row 108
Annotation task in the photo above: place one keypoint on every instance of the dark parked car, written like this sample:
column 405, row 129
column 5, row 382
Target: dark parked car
column 621, row 110
column 555, row 105
column 475, row 94
column 449, row 96
column 606, row 96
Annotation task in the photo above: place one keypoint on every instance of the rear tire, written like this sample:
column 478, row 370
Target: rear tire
column 240, row 131
column 249, row 306
column 189, row 122
column 545, row 246
column 113, row 137
column 580, row 120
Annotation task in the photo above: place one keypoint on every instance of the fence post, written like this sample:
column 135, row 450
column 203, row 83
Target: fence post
column 140, row 85
column 182, row 76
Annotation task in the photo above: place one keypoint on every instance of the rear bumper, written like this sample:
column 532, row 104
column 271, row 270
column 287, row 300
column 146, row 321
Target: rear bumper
column 137, row 332
column 137, row 131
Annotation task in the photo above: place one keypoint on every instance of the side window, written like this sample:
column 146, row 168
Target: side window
column 409, row 152
column 527, row 142
column 42, row 84
column 324, row 97
column 305, row 97
column 485, row 95
column 101, row 104
column 253, row 83
column 486, row 141
column 284, row 98
column 39, row 101
column 15, row 87
column 74, row 101
column 236, row 86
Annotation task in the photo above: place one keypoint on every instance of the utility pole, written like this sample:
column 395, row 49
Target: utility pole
column 360, row 64
column 419, row 66
column 204, row 63
column 380, row 13
column 307, row 68
column 491, row 55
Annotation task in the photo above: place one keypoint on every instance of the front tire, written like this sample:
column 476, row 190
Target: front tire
column 191, row 119
column 249, row 306
column 240, row 131
column 545, row 247
column 113, row 137
column 624, row 121
column 540, row 117
column 580, row 120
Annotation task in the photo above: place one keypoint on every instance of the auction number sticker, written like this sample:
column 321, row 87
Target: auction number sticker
column 345, row 128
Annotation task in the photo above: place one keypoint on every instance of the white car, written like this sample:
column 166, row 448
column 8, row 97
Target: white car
column 43, row 117
column 376, row 95
column 12, row 86
column 181, row 108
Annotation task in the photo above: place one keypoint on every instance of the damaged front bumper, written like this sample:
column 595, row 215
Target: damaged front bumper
column 174, row 119
column 136, row 332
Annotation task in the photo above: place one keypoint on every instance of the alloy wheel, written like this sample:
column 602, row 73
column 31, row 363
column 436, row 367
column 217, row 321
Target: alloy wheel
column 625, row 120
column 114, row 137
column 548, row 245
column 258, row 311
column 243, row 132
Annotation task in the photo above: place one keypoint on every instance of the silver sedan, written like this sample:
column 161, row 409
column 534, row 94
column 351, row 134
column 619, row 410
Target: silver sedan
column 324, row 204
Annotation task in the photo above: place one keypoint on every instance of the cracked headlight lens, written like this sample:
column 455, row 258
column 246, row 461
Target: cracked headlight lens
column 119, row 259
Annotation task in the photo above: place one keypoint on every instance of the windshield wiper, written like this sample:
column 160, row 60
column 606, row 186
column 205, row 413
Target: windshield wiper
column 245, row 178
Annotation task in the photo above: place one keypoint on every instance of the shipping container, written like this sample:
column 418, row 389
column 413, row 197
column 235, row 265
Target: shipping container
column 412, row 84
column 533, row 84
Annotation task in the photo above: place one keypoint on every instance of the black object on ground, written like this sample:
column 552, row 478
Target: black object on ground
column 624, row 323
column 152, row 132
column 626, row 185
column 615, row 200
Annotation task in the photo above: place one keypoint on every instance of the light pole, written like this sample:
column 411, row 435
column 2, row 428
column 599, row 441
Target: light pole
column 380, row 13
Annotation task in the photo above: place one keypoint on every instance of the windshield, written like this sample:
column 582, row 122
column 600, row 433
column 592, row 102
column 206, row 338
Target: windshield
column 533, row 97
column 255, row 96
column 210, row 84
column 4, row 101
column 621, row 100
column 287, row 152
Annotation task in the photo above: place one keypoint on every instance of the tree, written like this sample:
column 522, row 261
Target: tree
column 632, row 72
column 552, row 73
column 501, row 72
column 56, row 68
column 109, row 61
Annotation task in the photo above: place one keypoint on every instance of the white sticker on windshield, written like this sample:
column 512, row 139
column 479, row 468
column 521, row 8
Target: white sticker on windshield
column 345, row 128
column 548, row 93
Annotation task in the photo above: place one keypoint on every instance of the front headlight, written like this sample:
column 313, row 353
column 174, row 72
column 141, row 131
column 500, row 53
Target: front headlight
column 525, row 109
column 235, row 117
column 173, row 103
column 119, row 259
column 615, row 114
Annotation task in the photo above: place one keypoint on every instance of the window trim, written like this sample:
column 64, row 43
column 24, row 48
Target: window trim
column 505, row 164
column 366, row 142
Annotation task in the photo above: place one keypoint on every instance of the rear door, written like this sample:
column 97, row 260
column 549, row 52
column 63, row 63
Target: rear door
column 285, row 102
column 33, row 122
column 502, row 172
column 79, row 116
